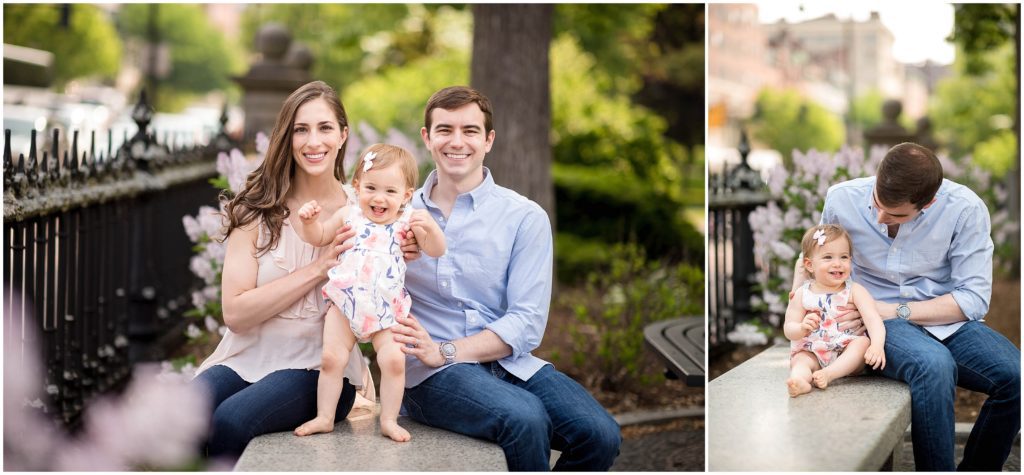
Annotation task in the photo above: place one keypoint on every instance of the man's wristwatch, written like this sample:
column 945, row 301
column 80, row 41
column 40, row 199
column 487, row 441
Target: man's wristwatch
column 903, row 311
column 447, row 349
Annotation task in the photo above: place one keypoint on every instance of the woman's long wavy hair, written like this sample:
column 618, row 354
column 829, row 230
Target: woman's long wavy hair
column 263, row 196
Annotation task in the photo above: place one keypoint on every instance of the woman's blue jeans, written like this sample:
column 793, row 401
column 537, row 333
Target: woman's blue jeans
column 976, row 358
column 281, row 401
column 526, row 418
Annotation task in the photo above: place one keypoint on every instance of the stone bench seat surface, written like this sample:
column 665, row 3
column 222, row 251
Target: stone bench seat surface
column 753, row 424
column 359, row 446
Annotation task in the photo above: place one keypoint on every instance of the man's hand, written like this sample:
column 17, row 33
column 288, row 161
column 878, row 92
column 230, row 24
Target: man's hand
column 810, row 322
column 875, row 356
column 849, row 319
column 417, row 342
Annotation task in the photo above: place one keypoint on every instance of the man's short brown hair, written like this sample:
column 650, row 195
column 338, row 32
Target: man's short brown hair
column 909, row 173
column 454, row 97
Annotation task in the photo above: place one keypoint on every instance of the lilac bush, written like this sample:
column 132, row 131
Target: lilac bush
column 798, row 196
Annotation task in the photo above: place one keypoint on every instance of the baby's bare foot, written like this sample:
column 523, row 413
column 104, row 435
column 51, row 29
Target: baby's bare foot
column 316, row 426
column 820, row 378
column 394, row 431
column 797, row 386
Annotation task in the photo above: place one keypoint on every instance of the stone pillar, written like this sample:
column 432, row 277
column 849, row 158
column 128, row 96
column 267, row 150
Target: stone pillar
column 283, row 66
column 889, row 132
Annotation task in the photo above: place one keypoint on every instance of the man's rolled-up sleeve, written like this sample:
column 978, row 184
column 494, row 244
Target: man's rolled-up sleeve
column 529, row 285
column 970, row 257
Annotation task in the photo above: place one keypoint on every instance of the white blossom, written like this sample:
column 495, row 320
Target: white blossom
column 202, row 267
column 193, row 331
column 211, row 323
column 747, row 334
column 262, row 144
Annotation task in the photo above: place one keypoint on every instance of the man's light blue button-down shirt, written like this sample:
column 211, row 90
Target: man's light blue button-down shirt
column 495, row 274
column 946, row 249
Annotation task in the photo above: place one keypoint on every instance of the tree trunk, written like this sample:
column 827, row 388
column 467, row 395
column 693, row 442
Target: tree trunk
column 510, row 66
column 1013, row 180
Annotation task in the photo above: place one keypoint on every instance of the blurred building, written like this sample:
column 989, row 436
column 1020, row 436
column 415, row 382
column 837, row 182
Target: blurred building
column 829, row 60
column 738, row 67
column 852, row 55
column 226, row 17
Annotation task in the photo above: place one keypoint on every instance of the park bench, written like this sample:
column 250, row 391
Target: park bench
column 358, row 446
column 679, row 343
column 856, row 424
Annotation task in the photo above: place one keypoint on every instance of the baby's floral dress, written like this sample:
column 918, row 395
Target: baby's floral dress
column 368, row 284
column 828, row 341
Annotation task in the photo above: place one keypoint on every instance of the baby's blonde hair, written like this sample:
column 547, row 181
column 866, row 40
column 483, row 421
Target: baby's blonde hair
column 386, row 155
column 832, row 232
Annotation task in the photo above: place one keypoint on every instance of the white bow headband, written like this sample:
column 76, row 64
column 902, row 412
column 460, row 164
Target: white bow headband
column 819, row 235
column 368, row 161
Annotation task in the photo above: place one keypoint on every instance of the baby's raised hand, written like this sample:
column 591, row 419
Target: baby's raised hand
column 309, row 211
column 875, row 356
column 420, row 222
column 810, row 322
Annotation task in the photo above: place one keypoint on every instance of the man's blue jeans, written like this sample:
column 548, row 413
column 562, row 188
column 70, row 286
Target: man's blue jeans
column 281, row 401
column 526, row 418
column 976, row 358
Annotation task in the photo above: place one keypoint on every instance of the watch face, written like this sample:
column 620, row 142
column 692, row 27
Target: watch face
column 448, row 349
column 903, row 311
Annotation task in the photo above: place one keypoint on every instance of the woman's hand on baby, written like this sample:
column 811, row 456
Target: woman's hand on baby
column 309, row 211
column 416, row 341
column 875, row 356
column 329, row 256
column 810, row 322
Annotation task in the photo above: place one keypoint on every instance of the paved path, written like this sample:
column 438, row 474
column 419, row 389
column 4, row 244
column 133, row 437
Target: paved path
column 962, row 431
column 680, row 448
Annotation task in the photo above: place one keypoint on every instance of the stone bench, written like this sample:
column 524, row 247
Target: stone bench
column 856, row 424
column 358, row 446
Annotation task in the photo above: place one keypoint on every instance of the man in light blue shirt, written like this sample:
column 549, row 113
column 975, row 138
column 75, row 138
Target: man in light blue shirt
column 480, row 309
column 921, row 247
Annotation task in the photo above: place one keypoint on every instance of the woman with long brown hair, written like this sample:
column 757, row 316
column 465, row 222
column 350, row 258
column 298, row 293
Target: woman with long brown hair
column 263, row 374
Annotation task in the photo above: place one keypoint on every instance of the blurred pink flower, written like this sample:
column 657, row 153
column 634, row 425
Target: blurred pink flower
column 155, row 423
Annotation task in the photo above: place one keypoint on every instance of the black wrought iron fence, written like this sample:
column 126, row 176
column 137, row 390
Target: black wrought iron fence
column 96, row 270
column 732, row 196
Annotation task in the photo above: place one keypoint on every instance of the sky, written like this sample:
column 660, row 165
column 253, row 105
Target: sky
column 919, row 28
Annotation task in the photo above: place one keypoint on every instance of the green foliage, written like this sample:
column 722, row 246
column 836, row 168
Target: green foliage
column 617, row 178
column 996, row 153
column 652, row 52
column 395, row 97
column 626, row 294
column 971, row 112
column 201, row 59
column 980, row 28
column 614, row 34
column 610, row 207
column 89, row 46
column 786, row 121
column 350, row 41
column 866, row 109
column 575, row 256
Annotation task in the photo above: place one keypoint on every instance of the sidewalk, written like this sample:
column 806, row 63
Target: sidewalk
column 671, row 443
column 962, row 431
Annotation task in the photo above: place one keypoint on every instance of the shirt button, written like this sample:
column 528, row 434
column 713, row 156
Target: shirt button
column 459, row 304
column 444, row 283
